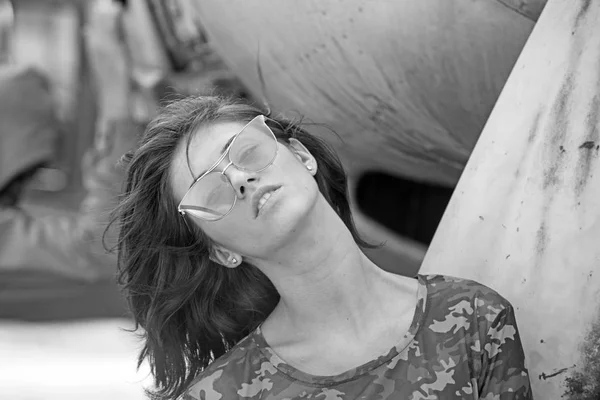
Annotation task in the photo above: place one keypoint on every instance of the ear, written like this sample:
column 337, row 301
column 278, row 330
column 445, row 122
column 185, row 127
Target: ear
column 303, row 155
column 225, row 257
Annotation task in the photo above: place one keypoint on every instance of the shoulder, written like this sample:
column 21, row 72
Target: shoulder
column 448, row 295
column 225, row 375
column 452, row 289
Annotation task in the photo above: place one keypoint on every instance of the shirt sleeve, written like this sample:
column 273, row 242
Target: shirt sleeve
column 503, row 373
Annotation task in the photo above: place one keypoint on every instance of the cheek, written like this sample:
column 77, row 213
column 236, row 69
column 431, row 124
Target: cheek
column 302, row 178
column 312, row 189
column 302, row 193
column 291, row 167
column 217, row 231
column 228, row 231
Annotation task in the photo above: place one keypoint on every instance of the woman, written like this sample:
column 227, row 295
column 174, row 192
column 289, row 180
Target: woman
column 244, row 268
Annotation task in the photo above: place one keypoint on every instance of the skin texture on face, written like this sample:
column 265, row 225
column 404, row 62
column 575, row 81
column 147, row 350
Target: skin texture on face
column 239, row 234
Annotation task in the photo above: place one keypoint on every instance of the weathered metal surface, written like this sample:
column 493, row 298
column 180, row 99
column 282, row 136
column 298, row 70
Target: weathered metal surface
column 407, row 84
column 527, row 8
column 525, row 216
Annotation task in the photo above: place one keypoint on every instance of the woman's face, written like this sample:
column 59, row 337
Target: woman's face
column 253, row 228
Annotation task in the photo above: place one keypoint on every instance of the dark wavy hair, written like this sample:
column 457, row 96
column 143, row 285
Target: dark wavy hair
column 192, row 310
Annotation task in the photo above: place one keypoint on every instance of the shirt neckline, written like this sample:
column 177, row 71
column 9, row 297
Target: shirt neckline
column 353, row 373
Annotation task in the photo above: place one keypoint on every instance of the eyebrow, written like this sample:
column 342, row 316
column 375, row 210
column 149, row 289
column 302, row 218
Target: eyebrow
column 226, row 145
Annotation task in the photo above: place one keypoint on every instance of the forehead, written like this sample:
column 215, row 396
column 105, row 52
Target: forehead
column 206, row 145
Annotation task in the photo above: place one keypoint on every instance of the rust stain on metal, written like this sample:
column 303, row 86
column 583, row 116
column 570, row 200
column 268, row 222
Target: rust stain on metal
column 534, row 128
column 377, row 107
column 559, row 117
column 585, row 6
column 541, row 239
column 587, row 145
column 589, row 149
column 543, row 376
column 560, row 114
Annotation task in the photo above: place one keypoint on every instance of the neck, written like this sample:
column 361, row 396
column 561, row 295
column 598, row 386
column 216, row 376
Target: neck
column 324, row 278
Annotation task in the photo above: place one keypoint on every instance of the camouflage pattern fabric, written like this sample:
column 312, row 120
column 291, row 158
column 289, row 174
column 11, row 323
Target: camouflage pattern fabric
column 463, row 344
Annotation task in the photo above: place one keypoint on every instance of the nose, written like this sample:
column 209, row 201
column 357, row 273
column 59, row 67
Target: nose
column 239, row 179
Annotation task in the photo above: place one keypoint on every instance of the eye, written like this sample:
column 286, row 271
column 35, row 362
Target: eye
column 247, row 153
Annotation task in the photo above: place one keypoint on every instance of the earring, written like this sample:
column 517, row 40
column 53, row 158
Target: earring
column 309, row 167
column 233, row 261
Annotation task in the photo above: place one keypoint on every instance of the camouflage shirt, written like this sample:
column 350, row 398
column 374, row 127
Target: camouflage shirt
column 463, row 344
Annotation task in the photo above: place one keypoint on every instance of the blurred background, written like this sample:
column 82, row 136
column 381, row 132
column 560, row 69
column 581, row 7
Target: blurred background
column 407, row 86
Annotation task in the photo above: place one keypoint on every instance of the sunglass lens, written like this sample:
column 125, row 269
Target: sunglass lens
column 210, row 198
column 255, row 147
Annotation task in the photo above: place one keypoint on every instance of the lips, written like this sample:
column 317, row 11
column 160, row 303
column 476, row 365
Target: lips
column 258, row 195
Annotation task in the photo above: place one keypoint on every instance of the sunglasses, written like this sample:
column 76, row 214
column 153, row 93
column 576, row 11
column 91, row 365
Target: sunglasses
column 212, row 196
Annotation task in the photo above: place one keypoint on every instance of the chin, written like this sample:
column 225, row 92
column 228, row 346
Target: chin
column 295, row 210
